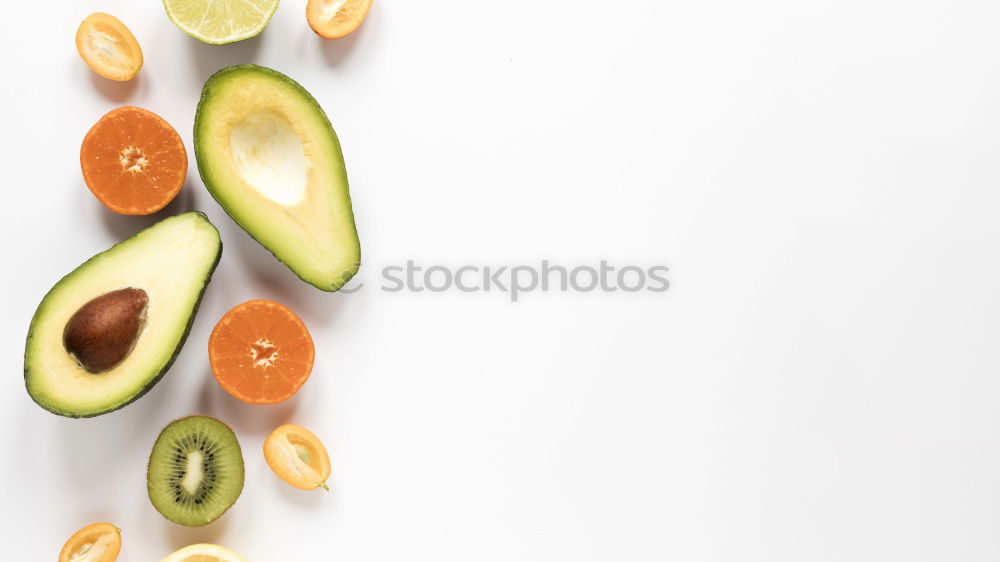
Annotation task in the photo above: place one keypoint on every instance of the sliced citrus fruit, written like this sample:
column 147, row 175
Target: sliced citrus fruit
column 133, row 161
column 220, row 21
column 298, row 457
column 108, row 47
column 204, row 553
column 261, row 352
column 334, row 19
column 99, row 542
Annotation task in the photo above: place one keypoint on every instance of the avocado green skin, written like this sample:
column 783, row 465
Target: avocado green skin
column 204, row 164
column 149, row 386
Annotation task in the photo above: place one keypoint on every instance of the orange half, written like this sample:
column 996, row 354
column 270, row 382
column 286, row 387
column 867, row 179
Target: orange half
column 261, row 352
column 133, row 161
column 108, row 47
column 100, row 542
column 334, row 19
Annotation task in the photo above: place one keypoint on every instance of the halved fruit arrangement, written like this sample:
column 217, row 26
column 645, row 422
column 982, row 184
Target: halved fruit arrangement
column 133, row 161
column 195, row 471
column 99, row 542
column 298, row 457
column 204, row 553
column 108, row 331
column 269, row 156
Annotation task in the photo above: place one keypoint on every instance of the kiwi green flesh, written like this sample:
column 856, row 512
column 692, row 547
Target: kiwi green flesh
column 195, row 471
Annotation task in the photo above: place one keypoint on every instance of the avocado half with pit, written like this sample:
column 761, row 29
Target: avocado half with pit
column 108, row 331
column 268, row 154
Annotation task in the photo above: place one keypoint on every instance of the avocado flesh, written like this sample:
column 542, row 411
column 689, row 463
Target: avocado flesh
column 268, row 154
column 172, row 261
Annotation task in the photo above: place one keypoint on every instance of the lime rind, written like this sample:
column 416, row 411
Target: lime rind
column 218, row 22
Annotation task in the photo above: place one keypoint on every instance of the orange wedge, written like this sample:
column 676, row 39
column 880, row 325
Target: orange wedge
column 108, row 47
column 334, row 19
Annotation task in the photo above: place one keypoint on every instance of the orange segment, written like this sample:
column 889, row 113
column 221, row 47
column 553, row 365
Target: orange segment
column 261, row 352
column 334, row 19
column 133, row 161
column 99, row 542
column 298, row 457
column 108, row 47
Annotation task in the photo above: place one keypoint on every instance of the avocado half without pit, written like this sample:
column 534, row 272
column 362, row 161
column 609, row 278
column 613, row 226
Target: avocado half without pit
column 268, row 154
column 108, row 331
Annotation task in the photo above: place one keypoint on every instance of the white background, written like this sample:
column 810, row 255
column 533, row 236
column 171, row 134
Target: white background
column 819, row 384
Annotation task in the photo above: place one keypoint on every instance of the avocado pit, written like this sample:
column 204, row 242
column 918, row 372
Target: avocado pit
column 103, row 332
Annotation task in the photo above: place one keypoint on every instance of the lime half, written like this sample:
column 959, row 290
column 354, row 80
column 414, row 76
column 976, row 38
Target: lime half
column 220, row 21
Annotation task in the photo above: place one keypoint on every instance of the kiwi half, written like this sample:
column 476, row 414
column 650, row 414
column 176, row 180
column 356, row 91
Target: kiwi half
column 195, row 471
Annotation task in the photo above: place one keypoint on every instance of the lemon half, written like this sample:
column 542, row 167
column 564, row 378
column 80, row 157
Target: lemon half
column 204, row 553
